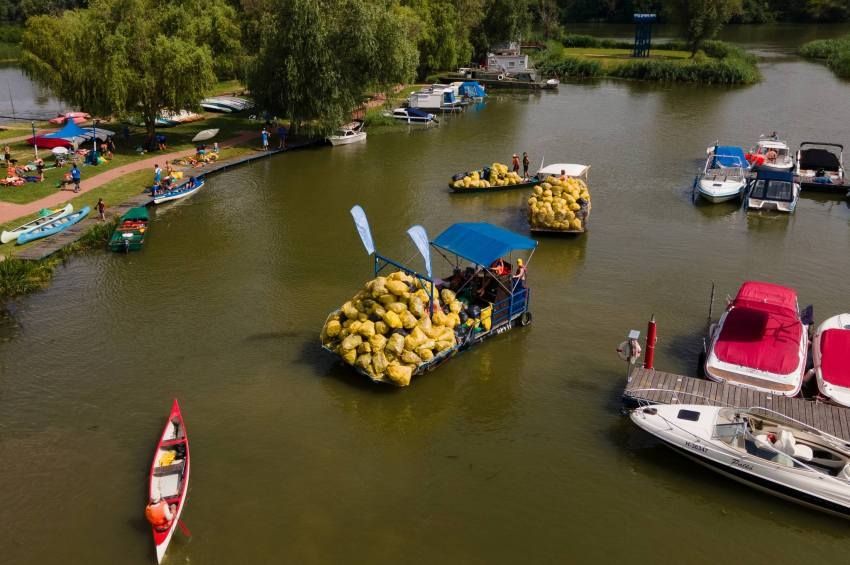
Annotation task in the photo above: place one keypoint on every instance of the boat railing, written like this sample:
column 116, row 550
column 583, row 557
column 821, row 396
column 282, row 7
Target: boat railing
column 506, row 310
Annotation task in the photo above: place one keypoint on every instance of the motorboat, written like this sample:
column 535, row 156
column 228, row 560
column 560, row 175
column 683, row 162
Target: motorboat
column 724, row 176
column 437, row 98
column 412, row 116
column 761, row 341
column 773, row 190
column 820, row 166
column 349, row 133
column 831, row 356
column 76, row 117
column 771, row 153
column 759, row 448
column 226, row 104
column 186, row 188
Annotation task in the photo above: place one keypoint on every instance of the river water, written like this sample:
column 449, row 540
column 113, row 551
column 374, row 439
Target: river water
column 513, row 452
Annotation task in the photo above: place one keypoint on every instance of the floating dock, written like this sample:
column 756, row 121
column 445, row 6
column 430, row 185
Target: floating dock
column 649, row 386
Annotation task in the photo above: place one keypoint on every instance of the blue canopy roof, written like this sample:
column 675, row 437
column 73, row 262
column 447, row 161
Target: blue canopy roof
column 481, row 243
column 69, row 131
column 472, row 88
column 772, row 174
column 729, row 156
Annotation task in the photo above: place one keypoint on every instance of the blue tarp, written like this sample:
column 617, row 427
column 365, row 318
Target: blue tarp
column 416, row 112
column 472, row 88
column 481, row 243
column 729, row 156
column 69, row 131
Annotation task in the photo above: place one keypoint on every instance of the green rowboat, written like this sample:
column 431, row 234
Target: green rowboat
column 129, row 234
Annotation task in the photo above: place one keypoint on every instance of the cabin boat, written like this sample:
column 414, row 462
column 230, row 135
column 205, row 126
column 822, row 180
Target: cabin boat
column 412, row 116
column 773, row 190
column 760, row 342
column 438, row 98
column 820, row 166
column 771, row 153
column 831, row 356
column 757, row 447
column 349, row 133
column 724, row 176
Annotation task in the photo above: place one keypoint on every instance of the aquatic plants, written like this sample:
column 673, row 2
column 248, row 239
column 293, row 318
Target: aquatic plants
column 834, row 52
column 18, row 277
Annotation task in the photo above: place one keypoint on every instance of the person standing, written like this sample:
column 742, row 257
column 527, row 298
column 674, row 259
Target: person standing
column 525, row 164
column 7, row 154
column 265, row 136
column 39, row 167
column 101, row 208
column 157, row 174
column 281, row 137
column 515, row 163
column 75, row 177
column 520, row 276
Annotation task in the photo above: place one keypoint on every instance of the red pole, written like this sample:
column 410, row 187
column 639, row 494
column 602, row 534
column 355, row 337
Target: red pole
column 650, row 344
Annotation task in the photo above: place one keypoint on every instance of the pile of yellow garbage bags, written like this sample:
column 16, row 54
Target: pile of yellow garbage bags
column 554, row 204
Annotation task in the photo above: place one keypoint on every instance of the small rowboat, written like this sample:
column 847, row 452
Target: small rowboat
column 12, row 235
column 528, row 184
column 182, row 190
column 169, row 476
column 129, row 234
column 53, row 227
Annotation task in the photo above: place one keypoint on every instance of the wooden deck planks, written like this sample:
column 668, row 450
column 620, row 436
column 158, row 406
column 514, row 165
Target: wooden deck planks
column 834, row 420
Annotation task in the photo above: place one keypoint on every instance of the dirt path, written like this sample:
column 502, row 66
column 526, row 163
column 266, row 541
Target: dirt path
column 9, row 211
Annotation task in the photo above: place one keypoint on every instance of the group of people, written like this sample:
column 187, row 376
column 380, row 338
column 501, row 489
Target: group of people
column 525, row 164
column 491, row 286
column 281, row 137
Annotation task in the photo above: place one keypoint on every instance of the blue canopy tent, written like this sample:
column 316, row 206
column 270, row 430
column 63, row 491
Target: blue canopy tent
column 68, row 135
column 728, row 156
column 482, row 243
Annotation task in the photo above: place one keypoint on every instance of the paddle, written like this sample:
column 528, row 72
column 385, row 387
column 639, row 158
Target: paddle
column 184, row 529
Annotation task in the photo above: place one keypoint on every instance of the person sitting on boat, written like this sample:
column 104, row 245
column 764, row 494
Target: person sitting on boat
column 771, row 156
column 500, row 268
column 190, row 184
column 159, row 513
column 563, row 175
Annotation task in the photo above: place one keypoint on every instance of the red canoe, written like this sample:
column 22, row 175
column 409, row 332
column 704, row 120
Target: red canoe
column 77, row 117
column 169, row 476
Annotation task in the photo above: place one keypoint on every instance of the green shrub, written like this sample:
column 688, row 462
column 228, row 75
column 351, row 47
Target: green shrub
column 19, row 277
column 375, row 117
column 570, row 67
column 839, row 62
column 835, row 52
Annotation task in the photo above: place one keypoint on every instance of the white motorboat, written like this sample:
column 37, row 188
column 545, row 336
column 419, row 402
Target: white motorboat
column 773, row 190
column 831, row 356
column 437, row 98
column 412, row 116
column 349, row 133
column 226, row 104
column 771, row 153
column 760, row 342
column 724, row 176
column 820, row 166
column 759, row 448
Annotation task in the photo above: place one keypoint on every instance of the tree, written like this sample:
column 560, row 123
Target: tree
column 121, row 56
column 318, row 57
column 702, row 19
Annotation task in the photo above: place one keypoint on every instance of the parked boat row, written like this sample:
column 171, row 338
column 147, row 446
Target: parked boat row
column 54, row 222
column 226, row 104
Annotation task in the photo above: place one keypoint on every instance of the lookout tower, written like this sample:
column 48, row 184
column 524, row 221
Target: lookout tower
column 643, row 34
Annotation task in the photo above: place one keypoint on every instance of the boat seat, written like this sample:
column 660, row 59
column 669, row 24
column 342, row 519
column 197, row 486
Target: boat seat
column 788, row 444
column 169, row 486
column 172, row 469
column 844, row 473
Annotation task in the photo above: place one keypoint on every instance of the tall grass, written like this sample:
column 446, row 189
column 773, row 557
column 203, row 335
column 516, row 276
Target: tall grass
column 834, row 52
column 375, row 117
column 19, row 277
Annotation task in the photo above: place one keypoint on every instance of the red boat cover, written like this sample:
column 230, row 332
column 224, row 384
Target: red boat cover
column 763, row 330
column 835, row 357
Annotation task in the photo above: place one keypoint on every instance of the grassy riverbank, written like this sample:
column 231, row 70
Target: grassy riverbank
column 835, row 53
column 581, row 56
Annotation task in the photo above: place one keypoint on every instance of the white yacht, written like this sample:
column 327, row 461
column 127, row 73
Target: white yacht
column 724, row 176
column 349, row 133
column 771, row 153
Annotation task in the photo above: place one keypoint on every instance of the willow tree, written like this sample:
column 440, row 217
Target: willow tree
column 702, row 19
column 317, row 58
column 123, row 56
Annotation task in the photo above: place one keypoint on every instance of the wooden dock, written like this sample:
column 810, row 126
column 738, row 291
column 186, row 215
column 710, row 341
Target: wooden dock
column 50, row 245
column 649, row 386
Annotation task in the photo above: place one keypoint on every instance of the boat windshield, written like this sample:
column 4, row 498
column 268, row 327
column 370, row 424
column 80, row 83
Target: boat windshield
column 782, row 191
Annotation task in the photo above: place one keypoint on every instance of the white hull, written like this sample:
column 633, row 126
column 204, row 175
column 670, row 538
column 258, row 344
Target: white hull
column 752, row 460
column 12, row 235
column 348, row 139
column 838, row 394
column 720, row 192
column 169, row 198
column 773, row 205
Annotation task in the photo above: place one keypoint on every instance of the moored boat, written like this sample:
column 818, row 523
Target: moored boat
column 129, row 234
column 493, row 178
column 757, row 447
column 11, row 235
column 724, row 176
column 820, row 167
column 169, row 476
column 760, row 342
column 412, row 116
column 187, row 188
column 54, row 226
column 569, row 183
column 771, row 153
column 349, row 133
column 831, row 356
column 773, row 190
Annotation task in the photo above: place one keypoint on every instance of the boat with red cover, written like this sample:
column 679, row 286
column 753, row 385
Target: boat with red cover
column 760, row 341
column 169, row 475
column 831, row 355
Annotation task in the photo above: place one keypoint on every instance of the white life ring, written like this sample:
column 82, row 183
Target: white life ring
column 500, row 77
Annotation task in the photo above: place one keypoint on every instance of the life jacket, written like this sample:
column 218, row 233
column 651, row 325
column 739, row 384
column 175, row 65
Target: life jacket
column 157, row 514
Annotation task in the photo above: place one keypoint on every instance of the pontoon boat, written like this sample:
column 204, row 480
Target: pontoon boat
column 820, row 166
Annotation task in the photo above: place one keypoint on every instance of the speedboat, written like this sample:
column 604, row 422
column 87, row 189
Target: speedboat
column 349, row 133
column 831, row 355
column 773, row 190
column 724, row 176
column 759, row 448
column 76, row 117
column 820, row 166
column 760, row 341
column 412, row 116
column 771, row 153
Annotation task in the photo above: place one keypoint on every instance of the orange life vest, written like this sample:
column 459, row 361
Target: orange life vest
column 157, row 514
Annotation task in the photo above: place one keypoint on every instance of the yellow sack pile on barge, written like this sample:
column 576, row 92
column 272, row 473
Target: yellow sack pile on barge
column 555, row 204
column 499, row 175
column 387, row 331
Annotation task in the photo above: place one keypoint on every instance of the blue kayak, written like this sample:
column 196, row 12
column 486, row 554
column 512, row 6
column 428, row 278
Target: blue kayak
column 54, row 227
